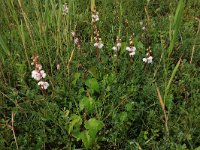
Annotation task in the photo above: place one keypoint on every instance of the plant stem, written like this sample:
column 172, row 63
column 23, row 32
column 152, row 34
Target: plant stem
column 13, row 130
column 70, row 59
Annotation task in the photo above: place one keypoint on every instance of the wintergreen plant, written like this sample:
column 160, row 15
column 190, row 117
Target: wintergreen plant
column 38, row 74
column 148, row 59
column 131, row 48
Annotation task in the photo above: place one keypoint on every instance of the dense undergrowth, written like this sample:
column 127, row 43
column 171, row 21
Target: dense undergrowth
column 100, row 98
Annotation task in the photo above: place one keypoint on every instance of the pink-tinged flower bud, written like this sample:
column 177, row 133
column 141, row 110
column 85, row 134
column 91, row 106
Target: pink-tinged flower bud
column 38, row 66
column 73, row 33
column 119, row 45
column 58, row 66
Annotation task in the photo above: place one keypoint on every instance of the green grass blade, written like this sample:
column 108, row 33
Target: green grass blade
column 171, row 79
column 4, row 46
column 176, row 25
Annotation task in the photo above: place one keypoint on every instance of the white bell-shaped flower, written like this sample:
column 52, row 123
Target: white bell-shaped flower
column 99, row 45
column 43, row 74
column 148, row 60
column 131, row 54
column 114, row 48
column 128, row 49
column 36, row 75
column 43, row 85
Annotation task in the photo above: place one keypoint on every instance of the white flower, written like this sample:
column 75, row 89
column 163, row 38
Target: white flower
column 143, row 28
column 95, row 18
column 114, row 48
column 36, row 75
column 65, row 9
column 119, row 45
column 128, row 49
column 144, row 60
column 133, row 49
column 43, row 74
column 141, row 23
column 76, row 40
column 98, row 45
column 132, row 54
column 43, row 85
column 148, row 60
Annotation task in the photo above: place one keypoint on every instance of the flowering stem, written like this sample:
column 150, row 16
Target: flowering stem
column 131, row 60
column 117, row 56
column 43, row 92
column 145, row 65
column 97, row 53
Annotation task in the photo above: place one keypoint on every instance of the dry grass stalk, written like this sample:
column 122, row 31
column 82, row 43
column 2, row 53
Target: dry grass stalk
column 164, row 110
column 13, row 130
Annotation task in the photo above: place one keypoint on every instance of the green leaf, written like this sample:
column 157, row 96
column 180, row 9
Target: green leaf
column 169, row 101
column 123, row 116
column 76, row 77
column 92, row 84
column 94, row 72
column 138, row 44
column 198, row 148
column 93, row 126
column 176, row 25
column 85, row 137
column 129, row 106
column 75, row 121
column 87, row 103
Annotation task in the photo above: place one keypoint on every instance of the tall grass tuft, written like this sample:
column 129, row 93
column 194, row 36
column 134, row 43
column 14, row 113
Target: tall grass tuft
column 176, row 25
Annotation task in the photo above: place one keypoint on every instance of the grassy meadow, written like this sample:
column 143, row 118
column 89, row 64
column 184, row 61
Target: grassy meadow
column 104, row 74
